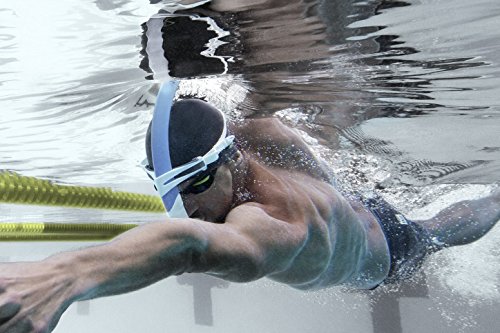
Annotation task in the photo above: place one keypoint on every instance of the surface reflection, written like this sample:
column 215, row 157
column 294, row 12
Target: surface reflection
column 323, row 66
column 73, row 76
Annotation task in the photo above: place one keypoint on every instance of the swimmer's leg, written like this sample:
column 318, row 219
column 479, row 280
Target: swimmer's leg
column 465, row 221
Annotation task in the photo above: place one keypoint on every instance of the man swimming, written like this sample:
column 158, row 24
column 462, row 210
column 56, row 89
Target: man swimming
column 246, row 200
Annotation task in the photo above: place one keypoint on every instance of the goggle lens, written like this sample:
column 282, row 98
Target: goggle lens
column 200, row 184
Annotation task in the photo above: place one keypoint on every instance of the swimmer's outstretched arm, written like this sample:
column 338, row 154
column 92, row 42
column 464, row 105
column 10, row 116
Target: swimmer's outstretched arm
column 36, row 294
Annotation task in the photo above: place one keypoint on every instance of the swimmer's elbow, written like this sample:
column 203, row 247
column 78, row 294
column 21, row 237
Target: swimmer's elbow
column 234, row 258
column 242, row 255
column 242, row 264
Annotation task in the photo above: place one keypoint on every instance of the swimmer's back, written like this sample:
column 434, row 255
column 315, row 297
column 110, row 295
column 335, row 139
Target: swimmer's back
column 294, row 187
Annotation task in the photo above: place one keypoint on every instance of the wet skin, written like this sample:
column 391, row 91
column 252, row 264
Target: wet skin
column 281, row 219
column 276, row 216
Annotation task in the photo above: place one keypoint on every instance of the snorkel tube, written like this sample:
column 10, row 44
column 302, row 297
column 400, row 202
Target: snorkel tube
column 160, row 148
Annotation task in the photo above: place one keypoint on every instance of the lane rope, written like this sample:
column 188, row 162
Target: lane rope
column 17, row 189
column 29, row 231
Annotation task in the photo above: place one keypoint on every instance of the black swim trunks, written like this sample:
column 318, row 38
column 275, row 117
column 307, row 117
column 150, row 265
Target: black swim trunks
column 409, row 243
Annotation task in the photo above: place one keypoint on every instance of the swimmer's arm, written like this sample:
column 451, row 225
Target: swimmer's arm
column 34, row 295
column 155, row 251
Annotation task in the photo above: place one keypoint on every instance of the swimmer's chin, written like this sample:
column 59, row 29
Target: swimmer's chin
column 198, row 216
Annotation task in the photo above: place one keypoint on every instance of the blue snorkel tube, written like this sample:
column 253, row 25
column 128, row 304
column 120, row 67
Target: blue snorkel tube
column 160, row 147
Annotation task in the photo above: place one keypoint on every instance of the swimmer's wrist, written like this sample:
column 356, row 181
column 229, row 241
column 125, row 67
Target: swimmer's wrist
column 62, row 267
column 82, row 272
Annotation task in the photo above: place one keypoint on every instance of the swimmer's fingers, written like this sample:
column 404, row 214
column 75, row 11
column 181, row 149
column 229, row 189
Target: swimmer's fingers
column 10, row 303
column 23, row 326
column 9, row 307
column 33, row 296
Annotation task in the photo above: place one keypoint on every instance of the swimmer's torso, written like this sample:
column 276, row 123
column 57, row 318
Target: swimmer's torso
column 293, row 186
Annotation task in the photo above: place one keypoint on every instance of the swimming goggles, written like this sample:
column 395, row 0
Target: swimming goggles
column 166, row 178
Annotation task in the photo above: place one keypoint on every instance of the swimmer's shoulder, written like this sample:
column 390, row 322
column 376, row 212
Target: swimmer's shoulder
column 294, row 197
column 263, row 130
column 279, row 146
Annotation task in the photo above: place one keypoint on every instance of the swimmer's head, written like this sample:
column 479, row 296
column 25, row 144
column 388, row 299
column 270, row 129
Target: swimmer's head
column 195, row 127
column 199, row 148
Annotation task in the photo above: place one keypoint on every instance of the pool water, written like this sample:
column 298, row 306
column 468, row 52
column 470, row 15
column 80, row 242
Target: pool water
column 397, row 96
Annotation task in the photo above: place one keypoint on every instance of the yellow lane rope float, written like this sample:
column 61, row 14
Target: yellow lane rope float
column 17, row 189
column 61, row 231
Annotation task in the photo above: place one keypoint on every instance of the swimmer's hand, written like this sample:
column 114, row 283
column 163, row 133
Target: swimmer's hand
column 33, row 296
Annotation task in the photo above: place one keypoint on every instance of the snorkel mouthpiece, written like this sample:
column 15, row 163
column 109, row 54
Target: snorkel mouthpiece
column 164, row 176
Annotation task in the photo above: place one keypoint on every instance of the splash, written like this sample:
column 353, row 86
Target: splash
column 471, row 271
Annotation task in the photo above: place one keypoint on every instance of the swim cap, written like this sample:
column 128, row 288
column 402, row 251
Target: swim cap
column 195, row 127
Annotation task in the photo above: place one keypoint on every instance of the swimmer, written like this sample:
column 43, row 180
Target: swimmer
column 245, row 201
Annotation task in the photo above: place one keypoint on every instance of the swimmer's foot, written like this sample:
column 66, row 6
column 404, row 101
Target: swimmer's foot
column 465, row 221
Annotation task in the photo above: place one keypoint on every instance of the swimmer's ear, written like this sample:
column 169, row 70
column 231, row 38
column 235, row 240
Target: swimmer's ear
column 237, row 158
column 236, row 162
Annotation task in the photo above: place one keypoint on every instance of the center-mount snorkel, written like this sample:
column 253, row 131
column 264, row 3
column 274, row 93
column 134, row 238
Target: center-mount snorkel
column 165, row 177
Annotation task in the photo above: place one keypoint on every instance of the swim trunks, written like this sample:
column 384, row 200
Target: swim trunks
column 409, row 243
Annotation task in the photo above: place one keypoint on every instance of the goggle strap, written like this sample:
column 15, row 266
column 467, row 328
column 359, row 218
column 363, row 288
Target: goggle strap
column 169, row 176
column 164, row 189
column 214, row 154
